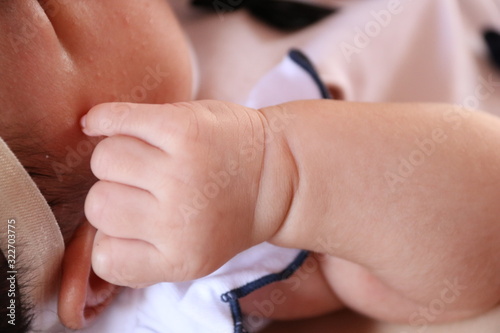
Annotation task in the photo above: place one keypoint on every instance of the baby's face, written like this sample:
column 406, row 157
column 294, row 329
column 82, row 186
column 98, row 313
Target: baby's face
column 58, row 58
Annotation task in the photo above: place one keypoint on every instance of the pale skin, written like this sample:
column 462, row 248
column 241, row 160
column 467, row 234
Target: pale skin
column 330, row 183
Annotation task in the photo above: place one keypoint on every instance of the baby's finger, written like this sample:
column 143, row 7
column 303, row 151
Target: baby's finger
column 147, row 122
column 122, row 211
column 126, row 262
column 129, row 161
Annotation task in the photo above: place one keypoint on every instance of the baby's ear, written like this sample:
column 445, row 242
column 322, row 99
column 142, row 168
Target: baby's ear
column 83, row 295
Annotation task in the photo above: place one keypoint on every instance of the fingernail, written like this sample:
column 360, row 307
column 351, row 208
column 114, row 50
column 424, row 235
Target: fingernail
column 83, row 122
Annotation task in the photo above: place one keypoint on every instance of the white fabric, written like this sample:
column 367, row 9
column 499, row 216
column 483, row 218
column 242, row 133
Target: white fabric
column 192, row 307
column 294, row 82
column 430, row 51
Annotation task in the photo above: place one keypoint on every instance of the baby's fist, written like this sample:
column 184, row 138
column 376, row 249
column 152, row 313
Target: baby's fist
column 180, row 189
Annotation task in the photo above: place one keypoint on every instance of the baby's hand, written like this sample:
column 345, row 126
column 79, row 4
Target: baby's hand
column 183, row 188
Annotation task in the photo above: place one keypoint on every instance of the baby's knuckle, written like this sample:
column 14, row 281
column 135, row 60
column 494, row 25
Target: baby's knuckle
column 195, row 121
column 215, row 107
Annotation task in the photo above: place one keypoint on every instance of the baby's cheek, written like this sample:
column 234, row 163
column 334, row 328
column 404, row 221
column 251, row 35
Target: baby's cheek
column 150, row 55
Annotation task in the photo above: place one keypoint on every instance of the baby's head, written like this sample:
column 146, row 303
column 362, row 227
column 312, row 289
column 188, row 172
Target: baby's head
column 58, row 58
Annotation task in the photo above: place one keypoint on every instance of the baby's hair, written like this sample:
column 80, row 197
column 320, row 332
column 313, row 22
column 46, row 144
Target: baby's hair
column 66, row 199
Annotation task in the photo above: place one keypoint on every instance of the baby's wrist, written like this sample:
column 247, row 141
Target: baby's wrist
column 279, row 175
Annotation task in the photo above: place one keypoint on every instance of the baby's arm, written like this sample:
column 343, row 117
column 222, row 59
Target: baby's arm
column 406, row 192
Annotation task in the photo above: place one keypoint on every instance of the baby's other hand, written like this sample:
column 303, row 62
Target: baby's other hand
column 183, row 188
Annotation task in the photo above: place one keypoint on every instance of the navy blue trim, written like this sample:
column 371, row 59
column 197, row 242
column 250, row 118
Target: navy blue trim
column 303, row 61
column 232, row 297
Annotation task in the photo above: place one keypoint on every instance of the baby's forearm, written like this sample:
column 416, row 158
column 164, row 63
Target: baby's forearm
column 410, row 191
